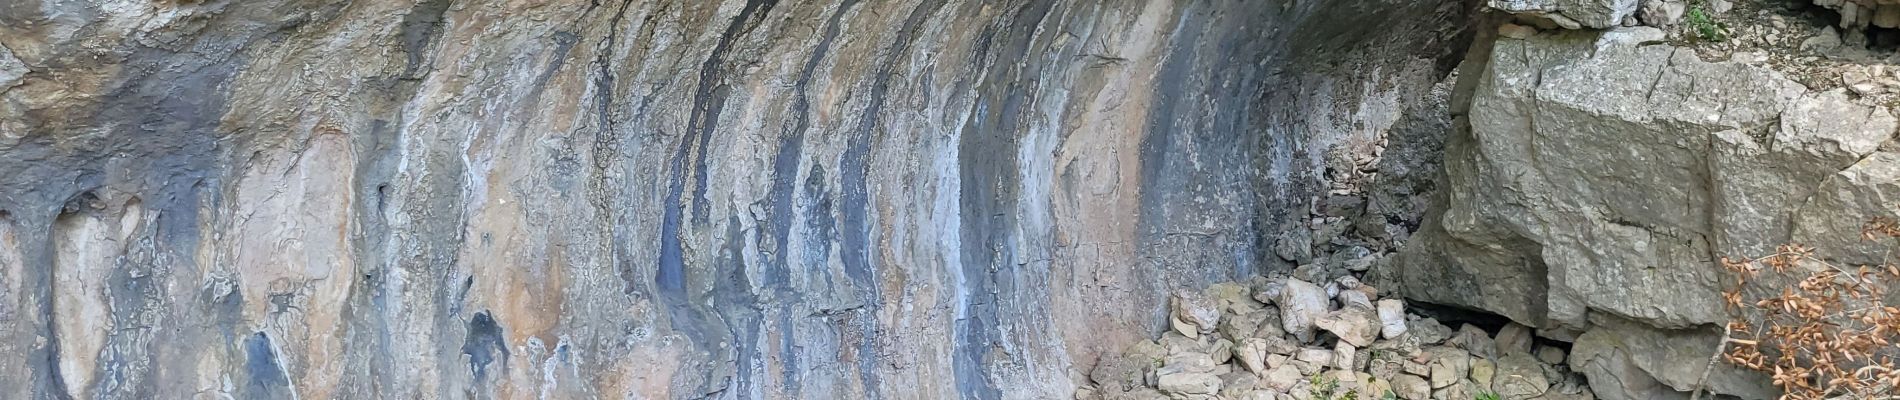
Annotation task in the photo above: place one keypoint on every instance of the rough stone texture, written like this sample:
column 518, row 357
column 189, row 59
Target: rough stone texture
column 1519, row 376
column 1193, row 314
column 1648, row 364
column 1301, row 306
column 1190, row 383
column 1391, row 318
column 1356, row 325
column 1588, row 13
column 654, row 199
column 1599, row 179
column 1513, row 339
column 1860, row 14
column 1411, row 387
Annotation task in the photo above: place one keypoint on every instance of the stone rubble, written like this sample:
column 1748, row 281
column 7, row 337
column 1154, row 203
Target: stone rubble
column 1339, row 346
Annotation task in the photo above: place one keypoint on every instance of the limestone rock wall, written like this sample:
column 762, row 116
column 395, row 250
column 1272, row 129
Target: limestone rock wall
column 1599, row 176
column 656, row 199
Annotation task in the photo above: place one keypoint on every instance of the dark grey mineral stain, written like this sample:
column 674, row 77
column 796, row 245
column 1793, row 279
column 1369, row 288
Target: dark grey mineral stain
column 1159, row 154
column 1187, row 153
column 739, row 307
column 708, row 101
column 156, row 128
column 988, row 171
column 853, row 167
column 564, row 42
column 420, row 27
column 134, row 310
column 485, row 346
column 49, row 382
column 783, row 214
column 265, row 377
column 710, row 98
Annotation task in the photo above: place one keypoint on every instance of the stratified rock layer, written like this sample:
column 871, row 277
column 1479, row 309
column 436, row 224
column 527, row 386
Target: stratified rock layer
column 657, row 199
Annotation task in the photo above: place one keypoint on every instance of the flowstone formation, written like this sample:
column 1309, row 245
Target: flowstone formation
column 725, row 199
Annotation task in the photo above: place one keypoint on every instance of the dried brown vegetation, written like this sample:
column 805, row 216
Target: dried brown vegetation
column 1828, row 333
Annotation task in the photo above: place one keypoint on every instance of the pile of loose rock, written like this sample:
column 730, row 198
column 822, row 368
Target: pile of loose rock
column 1781, row 35
column 1285, row 338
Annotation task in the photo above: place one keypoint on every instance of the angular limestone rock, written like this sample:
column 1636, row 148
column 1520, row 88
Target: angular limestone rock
column 1190, row 383
column 1194, row 314
column 1391, row 318
column 1356, row 325
column 1302, row 305
column 1411, row 387
column 1599, row 176
column 1587, row 13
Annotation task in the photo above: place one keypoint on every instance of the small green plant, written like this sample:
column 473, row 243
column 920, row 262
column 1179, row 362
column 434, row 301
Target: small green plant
column 1323, row 387
column 1389, row 395
column 1485, row 396
column 1705, row 27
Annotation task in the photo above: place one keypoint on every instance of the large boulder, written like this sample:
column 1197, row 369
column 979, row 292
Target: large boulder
column 1599, row 177
column 1625, row 360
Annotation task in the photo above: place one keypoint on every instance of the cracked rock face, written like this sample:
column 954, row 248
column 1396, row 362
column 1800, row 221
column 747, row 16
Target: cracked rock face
column 1576, row 13
column 656, row 199
column 1601, row 179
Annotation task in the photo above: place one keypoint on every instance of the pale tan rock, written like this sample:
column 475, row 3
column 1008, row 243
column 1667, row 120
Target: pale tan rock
column 1374, row 388
column 1238, row 383
column 1190, row 383
column 1446, row 366
column 1252, row 354
column 1302, row 305
column 1411, row 387
column 1391, row 318
column 1356, row 325
column 1277, row 360
column 1514, row 339
column 1476, row 341
column 1520, row 376
column 1482, row 372
column 1221, row 351
column 1282, row 378
column 1550, row 355
column 1194, row 314
column 1315, row 356
column 1188, row 363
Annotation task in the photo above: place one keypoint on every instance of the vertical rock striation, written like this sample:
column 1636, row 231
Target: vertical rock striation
column 655, row 199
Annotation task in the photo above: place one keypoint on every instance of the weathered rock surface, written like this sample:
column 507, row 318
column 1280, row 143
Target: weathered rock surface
column 1391, row 318
column 1423, row 363
column 1302, row 305
column 1357, row 325
column 1587, row 13
column 1194, row 314
column 657, row 199
column 1859, row 14
column 1411, row 387
column 1600, row 178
